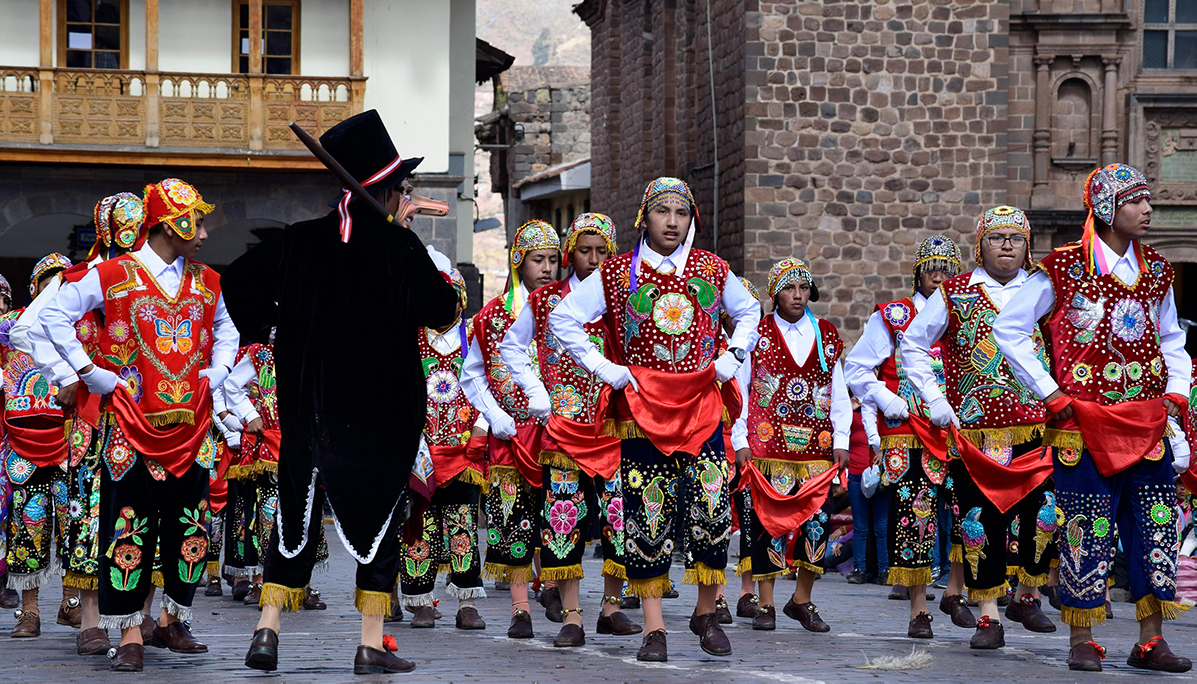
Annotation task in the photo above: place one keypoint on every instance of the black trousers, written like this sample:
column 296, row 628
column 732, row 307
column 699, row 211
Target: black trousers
column 137, row 514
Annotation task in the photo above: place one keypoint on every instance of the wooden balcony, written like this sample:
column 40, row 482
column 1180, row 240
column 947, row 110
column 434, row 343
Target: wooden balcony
column 134, row 117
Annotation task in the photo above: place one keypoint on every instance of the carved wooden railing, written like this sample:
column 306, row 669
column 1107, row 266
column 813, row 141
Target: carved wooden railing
column 133, row 108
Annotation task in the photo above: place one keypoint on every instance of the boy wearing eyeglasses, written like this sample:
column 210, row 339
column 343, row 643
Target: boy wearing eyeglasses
column 987, row 406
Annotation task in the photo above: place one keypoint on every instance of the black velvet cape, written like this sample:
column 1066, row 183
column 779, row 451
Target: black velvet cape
column 351, row 388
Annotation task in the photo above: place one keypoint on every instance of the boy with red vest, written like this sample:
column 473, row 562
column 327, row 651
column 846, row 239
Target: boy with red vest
column 166, row 325
column 579, row 467
column 1119, row 377
column 794, row 426
column 513, row 504
column 874, row 372
column 33, row 450
column 662, row 303
column 456, row 437
column 1000, row 472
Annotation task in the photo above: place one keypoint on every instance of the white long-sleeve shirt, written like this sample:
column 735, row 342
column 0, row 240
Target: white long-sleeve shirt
column 588, row 301
column 932, row 322
column 799, row 339
column 236, row 399
column 873, row 348
column 29, row 337
column 473, row 373
column 76, row 299
column 1037, row 298
column 516, row 343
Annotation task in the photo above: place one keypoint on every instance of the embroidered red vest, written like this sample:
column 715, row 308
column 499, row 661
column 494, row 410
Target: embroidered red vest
column 27, row 393
column 789, row 405
column 979, row 383
column 490, row 326
column 671, row 322
column 1103, row 335
column 897, row 317
column 158, row 343
column 87, row 330
column 261, row 451
column 451, row 416
column 573, row 392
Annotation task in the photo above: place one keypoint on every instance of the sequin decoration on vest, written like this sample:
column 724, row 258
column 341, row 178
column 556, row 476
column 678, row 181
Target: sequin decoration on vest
column 490, row 326
column 451, row 416
column 996, row 411
column 161, row 341
column 573, row 392
column 897, row 317
column 262, row 452
column 670, row 322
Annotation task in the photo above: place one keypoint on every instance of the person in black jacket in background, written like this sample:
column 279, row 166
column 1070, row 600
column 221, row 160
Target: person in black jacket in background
column 347, row 292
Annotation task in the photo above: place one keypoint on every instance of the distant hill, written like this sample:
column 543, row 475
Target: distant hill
column 536, row 32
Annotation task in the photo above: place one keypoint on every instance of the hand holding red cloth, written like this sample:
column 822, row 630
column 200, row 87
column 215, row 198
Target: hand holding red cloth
column 1004, row 485
column 1116, row 436
column 781, row 514
column 523, row 452
column 933, row 437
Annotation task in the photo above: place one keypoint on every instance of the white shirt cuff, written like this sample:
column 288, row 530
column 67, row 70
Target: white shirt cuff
column 839, row 442
column 1177, row 386
column 1046, row 386
column 593, row 359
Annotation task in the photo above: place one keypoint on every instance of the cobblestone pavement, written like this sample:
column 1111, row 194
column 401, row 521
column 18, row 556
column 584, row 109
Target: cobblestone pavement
column 319, row 645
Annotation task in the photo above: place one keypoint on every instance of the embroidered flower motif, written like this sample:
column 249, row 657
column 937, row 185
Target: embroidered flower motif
column 492, row 536
column 896, row 313
column 181, row 193
column 133, row 379
column 419, row 549
column 519, row 550
column 1157, row 366
column 796, row 389
column 1133, row 370
column 907, row 554
column 783, row 410
column 1129, row 320
column 824, row 439
column 75, row 509
column 635, row 479
column 194, row 549
column 566, row 401
column 1082, row 373
column 1161, row 514
column 525, row 524
column 1075, row 271
column 84, row 329
column 1112, row 371
column 764, row 431
column 563, row 517
column 615, row 513
column 465, row 414
column 673, row 314
column 127, row 557
column 442, row 386
column 460, row 544
column 1101, row 527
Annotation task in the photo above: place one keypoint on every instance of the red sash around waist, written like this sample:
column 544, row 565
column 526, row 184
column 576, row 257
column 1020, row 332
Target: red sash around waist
column 676, row 411
column 781, row 514
column 1004, row 485
column 1116, row 436
column 522, row 453
column 43, row 446
column 595, row 453
column 174, row 447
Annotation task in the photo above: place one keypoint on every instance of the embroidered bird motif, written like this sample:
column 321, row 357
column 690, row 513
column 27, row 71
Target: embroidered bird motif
column 1083, row 314
column 924, row 508
column 972, row 533
column 507, row 497
column 711, row 479
column 654, row 501
column 639, row 308
column 705, row 293
column 122, row 522
column 1046, row 523
column 1076, row 536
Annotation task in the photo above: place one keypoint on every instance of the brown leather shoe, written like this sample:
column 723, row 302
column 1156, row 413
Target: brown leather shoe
column 396, row 613
column 722, row 612
column 29, row 625
column 177, row 638
column 617, row 624
column 570, row 636
column 214, row 587
column 653, row 650
column 920, row 626
column 9, row 598
column 956, row 607
column 989, row 635
column 747, row 606
column 710, row 635
column 129, row 658
column 70, row 614
column 312, row 600
column 468, row 618
column 1086, row 657
column 263, row 650
column 424, row 618
column 521, row 625
column 241, row 589
column 899, row 593
column 92, row 641
column 1029, row 611
column 1053, row 595
column 806, row 613
column 148, row 625
column 1109, row 611
column 551, row 600
column 1155, row 655
column 254, row 595
column 372, row 661
column 766, row 619
column 629, row 603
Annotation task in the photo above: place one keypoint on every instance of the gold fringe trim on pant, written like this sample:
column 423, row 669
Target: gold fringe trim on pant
column 1012, row 570
column 566, row 573
column 613, row 569
column 288, row 598
column 1150, row 605
column 508, row 573
column 760, row 577
column 901, row 442
column 1014, row 435
column 212, row 568
column 744, row 567
column 371, row 602
column 623, row 429
column 1082, row 617
column 653, row 587
column 250, row 470
column 1030, row 580
column 79, row 581
column 156, row 579
column 556, row 459
column 705, row 575
column 803, row 565
column 473, row 477
column 956, row 555
column 1063, row 438
column 991, row 594
column 909, row 577
column 1055, row 563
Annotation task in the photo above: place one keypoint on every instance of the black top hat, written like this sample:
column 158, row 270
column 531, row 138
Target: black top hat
column 362, row 145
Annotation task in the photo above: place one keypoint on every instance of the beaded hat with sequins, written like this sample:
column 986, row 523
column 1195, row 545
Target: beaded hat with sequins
column 936, row 253
column 175, row 204
column 459, row 286
column 5, row 289
column 789, row 271
column 48, row 264
column 1108, row 189
column 1003, row 217
column 531, row 236
column 591, row 224
column 119, row 219
column 665, row 190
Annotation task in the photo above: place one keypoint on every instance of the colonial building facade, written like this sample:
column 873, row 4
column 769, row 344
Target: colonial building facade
column 843, row 132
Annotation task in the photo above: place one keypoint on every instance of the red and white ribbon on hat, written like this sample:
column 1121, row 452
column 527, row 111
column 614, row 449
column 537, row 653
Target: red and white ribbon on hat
column 343, row 205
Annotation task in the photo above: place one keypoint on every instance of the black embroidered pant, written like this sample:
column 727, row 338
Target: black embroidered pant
column 512, row 513
column 810, row 546
column 449, row 542
column 83, row 506
column 609, row 493
column 566, row 517
column 913, row 503
column 240, row 552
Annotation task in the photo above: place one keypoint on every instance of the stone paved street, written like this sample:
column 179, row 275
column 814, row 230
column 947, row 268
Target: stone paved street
column 318, row 646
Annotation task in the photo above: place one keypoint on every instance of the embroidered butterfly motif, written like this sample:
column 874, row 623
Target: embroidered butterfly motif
column 173, row 337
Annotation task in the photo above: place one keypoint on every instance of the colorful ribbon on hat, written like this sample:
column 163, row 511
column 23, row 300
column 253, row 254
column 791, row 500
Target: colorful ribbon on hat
column 343, row 205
